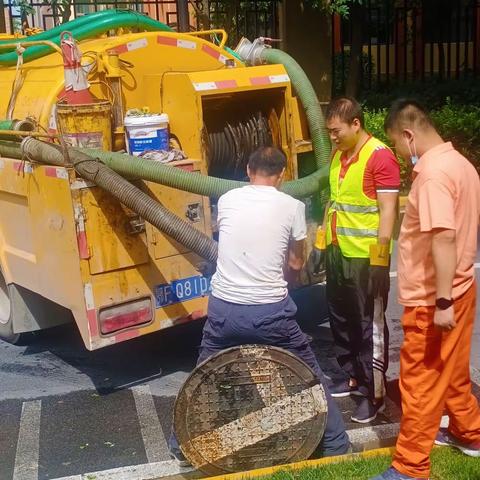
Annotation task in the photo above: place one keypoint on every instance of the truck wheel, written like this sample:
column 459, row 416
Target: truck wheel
column 6, row 317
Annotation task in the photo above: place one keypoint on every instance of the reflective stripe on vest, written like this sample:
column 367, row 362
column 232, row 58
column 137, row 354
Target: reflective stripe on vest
column 345, row 207
column 357, row 215
column 357, row 232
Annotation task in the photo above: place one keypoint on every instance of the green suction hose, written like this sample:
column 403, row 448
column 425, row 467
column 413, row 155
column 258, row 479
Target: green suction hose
column 308, row 97
column 55, row 32
column 88, row 29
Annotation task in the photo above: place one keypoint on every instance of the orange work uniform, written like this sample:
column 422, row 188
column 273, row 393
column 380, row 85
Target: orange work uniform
column 434, row 364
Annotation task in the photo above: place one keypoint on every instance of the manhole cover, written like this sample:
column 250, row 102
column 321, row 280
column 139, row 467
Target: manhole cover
column 249, row 407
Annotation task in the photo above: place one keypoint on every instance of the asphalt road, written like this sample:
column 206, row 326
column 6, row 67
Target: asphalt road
column 65, row 411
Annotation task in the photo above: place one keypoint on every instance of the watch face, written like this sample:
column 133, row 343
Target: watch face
column 443, row 303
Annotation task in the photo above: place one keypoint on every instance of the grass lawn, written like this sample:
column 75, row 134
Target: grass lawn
column 447, row 464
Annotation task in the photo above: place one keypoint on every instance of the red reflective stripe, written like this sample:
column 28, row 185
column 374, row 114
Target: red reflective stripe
column 18, row 166
column 260, row 80
column 210, row 51
column 167, row 41
column 82, row 245
column 226, row 84
column 187, row 168
column 51, row 172
column 92, row 322
column 119, row 49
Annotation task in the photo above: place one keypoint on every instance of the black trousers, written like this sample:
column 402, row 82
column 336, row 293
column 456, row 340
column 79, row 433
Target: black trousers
column 351, row 311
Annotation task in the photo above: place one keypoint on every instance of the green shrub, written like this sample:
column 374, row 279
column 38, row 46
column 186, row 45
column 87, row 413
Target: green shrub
column 457, row 123
column 460, row 124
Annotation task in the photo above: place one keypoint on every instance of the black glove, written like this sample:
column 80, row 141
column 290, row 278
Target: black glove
column 207, row 269
column 379, row 281
column 316, row 262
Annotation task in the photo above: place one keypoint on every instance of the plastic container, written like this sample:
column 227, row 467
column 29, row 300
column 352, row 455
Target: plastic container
column 146, row 132
column 88, row 125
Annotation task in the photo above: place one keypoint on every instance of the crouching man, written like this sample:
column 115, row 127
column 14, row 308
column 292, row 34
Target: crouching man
column 261, row 232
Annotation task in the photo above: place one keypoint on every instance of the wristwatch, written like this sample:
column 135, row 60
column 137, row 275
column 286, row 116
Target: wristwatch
column 443, row 303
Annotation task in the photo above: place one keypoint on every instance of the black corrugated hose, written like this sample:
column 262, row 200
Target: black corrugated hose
column 151, row 210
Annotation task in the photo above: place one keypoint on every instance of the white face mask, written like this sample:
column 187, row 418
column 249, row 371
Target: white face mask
column 413, row 155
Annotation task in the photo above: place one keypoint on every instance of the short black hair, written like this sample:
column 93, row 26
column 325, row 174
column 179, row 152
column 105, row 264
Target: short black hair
column 347, row 109
column 405, row 113
column 267, row 160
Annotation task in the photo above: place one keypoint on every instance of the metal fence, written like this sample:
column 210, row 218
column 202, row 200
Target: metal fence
column 240, row 18
column 408, row 40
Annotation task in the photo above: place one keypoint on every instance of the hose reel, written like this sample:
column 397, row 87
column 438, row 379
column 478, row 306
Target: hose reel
column 230, row 143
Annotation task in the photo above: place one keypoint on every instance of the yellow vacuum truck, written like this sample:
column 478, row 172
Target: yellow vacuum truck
column 107, row 207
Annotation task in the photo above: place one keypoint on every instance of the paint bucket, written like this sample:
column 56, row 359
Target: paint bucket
column 146, row 132
column 87, row 126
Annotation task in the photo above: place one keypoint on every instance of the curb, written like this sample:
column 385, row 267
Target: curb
column 260, row 472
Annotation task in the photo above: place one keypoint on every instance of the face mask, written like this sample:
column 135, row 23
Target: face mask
column 413, row 155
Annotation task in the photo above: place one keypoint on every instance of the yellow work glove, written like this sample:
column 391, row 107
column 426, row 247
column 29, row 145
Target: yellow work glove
column 379, row 279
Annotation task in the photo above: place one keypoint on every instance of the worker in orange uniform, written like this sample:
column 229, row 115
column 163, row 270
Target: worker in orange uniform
column 436, row 284
column 355, row 238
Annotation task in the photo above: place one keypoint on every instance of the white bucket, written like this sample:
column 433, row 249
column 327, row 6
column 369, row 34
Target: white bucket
column 146, row 132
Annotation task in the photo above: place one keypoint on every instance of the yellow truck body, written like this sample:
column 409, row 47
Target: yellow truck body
column 68, row 246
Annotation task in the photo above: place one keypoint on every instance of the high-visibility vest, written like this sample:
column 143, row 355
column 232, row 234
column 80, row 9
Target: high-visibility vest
column 357, row 215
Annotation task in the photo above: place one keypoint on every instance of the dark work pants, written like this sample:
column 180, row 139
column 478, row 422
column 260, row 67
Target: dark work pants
column 351, row 317
column 229, row 325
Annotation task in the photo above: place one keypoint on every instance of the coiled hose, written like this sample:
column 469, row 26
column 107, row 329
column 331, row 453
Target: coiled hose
column 233, row 140
column 86, row 29
column 151, row 210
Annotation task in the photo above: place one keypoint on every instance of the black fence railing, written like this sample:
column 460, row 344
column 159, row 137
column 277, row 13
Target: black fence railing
column 409, row 40
column 239, row 18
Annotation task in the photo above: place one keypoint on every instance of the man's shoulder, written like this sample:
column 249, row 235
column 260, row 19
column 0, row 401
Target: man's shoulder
column 289, row 200
column 232, row 194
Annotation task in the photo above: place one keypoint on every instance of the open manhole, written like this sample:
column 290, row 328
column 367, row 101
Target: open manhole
column 249, row 407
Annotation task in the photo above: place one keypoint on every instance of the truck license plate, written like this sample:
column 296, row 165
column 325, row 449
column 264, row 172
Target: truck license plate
column 181, row 290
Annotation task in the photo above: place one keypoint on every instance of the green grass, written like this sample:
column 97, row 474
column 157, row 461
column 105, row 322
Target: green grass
column 447, row 464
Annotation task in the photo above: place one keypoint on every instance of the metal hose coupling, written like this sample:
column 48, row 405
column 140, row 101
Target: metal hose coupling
column 251, row 53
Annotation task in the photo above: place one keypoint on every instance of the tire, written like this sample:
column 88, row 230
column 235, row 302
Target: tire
column 6, row 317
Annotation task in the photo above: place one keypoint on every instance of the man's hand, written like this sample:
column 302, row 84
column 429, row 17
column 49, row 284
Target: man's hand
column 445, row 319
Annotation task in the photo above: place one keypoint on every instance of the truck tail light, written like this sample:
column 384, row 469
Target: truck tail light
column 125, row 315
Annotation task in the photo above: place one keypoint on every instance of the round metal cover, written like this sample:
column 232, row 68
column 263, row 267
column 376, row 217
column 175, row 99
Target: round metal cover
column 249, row 407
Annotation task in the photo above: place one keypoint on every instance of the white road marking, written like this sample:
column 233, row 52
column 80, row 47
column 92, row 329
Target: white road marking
column 153, row 435
column 28, row 444
column 147, row 471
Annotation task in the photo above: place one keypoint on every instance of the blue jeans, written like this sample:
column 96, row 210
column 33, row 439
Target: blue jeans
column 229, row 325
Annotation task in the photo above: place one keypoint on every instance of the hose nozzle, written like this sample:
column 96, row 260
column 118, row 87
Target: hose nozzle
column 251, row 53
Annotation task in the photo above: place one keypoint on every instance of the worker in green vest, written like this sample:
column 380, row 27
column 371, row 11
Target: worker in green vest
column 354, row 245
